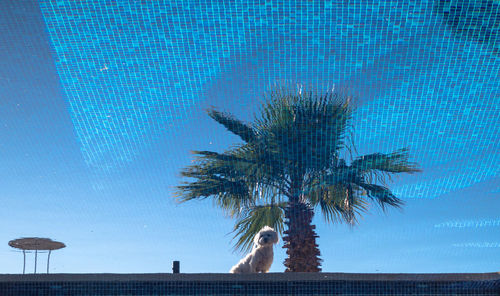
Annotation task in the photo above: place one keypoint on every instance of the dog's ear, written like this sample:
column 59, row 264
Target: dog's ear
column 256, row 238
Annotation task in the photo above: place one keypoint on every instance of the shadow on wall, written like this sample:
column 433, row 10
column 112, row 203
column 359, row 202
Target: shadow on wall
column 479, row 20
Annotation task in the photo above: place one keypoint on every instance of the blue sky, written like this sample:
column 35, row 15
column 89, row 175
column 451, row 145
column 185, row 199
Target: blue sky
column 101, row 104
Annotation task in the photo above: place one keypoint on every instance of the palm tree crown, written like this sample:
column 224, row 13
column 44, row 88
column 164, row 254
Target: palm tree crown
column 292, row 162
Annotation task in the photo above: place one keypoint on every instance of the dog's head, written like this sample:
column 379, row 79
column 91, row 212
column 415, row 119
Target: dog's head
column 266, row 236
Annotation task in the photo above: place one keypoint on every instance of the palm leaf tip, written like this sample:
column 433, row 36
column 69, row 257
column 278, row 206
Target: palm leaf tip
column 382, row 195
column 181, row 194
column 395, row 162
column 237, row 127
column 401, row 160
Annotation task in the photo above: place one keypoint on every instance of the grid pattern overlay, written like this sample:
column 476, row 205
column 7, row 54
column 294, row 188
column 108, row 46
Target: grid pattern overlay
column 235, row 287
column 130, row 69
column 92, row 154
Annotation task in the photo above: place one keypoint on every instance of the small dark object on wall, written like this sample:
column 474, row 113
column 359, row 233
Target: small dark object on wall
column 175, row 267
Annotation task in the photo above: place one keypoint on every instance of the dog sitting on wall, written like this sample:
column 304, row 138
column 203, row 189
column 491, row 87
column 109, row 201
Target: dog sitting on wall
column 261, row 257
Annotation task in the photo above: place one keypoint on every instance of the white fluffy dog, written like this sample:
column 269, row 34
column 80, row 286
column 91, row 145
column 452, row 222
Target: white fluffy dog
column 261, row 257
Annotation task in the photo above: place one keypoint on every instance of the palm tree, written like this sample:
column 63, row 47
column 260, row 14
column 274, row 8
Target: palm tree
column 291, row 163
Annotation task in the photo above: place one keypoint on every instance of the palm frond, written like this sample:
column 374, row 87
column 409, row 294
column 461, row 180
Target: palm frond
column 307, row 130
column 235, row 179
column 230, row 196
column 234, row 164
column 382, row 195
column 237, row 127
column 338, row 203
column 395, row 162
column 259, row 163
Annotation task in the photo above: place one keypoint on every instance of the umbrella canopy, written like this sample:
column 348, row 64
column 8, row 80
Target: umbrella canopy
column 36, row 243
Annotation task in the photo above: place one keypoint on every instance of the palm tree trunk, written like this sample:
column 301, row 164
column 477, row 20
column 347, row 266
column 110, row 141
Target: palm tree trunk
column 300, row 239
